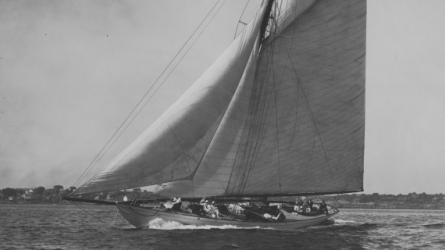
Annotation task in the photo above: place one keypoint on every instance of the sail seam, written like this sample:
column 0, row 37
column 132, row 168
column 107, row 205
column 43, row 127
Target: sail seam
column 314, row 121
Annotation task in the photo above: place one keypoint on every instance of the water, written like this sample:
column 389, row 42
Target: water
column 100, row 227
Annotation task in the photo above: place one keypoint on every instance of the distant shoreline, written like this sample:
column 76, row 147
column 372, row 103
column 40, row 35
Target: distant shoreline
column 407, row 209
column 388, row 201
column 42, row 195
column 93, row 204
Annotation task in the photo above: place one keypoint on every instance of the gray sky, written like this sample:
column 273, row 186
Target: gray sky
column 70, row 71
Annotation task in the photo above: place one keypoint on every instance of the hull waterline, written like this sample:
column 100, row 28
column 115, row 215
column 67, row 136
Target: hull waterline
column 140, row 217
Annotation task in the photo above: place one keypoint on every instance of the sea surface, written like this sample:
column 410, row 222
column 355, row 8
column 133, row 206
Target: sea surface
column 25, row 226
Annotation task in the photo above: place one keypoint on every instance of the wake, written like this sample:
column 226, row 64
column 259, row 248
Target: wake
column 160, row 224
column 435, row 225
column 344, row 222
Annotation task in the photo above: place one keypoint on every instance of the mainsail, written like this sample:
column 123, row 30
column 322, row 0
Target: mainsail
column 282, row 115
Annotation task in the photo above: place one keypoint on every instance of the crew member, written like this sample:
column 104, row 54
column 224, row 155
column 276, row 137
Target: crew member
column 270, row 217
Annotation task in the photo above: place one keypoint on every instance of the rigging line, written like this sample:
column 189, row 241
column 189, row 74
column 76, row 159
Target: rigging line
column 253, row 131
column 168, row 74
column 221, row 119
column 277, row 11
column 255, row 117
column 250, row 76
column 172, row 69
column 149, row 91
column 120, row 133
column 277, row 132
column 254, row 102
column 313, row 118
column 258, row 109
column 183, row 56
column 96, row 158
column 239, row 19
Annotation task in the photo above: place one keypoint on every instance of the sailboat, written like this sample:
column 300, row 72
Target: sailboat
column 280, row 113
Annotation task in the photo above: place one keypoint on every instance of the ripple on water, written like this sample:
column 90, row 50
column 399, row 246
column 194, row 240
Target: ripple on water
column 98, row 227
column 435, row 226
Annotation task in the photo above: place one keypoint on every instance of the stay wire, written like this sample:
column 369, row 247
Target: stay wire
column 139, row 104
column 171, row 71
column 165, row 79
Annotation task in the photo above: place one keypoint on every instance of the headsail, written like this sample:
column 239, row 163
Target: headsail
column 292, row 122
column 172, row 147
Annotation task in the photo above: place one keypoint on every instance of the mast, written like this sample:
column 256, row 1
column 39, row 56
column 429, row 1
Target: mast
column 266, row 19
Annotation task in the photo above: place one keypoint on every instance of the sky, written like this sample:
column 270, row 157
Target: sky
column 70, row 71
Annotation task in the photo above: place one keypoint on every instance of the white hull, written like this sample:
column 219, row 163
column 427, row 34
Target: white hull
column 141, row 216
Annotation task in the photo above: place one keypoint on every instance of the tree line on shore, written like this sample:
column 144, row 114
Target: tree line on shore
column 411, row 200
column 388, row 201
column 35, row 195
